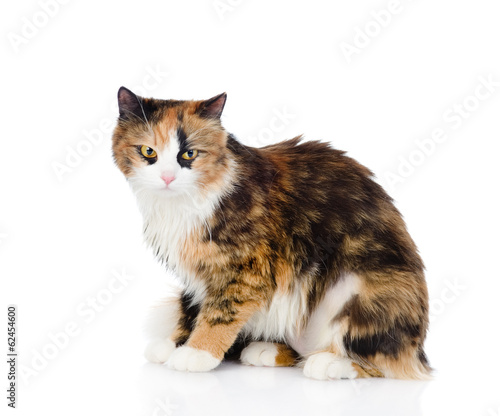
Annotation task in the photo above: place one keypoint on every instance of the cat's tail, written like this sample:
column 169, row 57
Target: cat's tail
column 162, row 317
column 407, row 366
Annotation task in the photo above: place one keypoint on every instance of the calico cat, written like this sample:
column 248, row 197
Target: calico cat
column 291, row 250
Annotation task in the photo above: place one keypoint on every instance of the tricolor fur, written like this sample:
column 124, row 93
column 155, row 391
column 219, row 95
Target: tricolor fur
column 292, row 244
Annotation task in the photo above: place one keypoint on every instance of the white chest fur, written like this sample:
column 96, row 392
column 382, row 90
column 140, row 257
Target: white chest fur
column 169, row 221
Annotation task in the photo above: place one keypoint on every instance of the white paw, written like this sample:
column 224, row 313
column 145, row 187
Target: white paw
column 158, row 350
column 325, row 365
column 260, row 354
column 191, row 359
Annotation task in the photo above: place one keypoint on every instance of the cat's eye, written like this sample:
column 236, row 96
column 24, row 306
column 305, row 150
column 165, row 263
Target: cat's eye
column 190, row 154
column 148, row 152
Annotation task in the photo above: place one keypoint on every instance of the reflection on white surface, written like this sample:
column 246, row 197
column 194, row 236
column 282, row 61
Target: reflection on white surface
column 236, row 389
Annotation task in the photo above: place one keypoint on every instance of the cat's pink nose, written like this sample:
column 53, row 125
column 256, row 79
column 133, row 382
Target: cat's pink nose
column 167, row 178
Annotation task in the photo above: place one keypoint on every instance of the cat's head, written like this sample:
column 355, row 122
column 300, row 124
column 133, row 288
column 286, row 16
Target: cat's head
column 172, row 148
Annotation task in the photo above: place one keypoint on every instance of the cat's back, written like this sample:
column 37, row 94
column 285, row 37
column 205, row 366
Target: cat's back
column 317, row 171
column 314, row 158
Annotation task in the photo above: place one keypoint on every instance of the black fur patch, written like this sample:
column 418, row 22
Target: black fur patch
column 389, row 343
column 189, row 312
column 184, row 147
column 239, row 345
column 182, row 137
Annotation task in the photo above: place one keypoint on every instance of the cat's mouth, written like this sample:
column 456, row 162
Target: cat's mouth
column 169, row 189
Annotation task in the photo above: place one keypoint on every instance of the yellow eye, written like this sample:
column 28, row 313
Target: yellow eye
column 190, row 154
column 148, row 152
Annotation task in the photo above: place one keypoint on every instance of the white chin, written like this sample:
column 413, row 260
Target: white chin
column 166, row 191
column 169, row 191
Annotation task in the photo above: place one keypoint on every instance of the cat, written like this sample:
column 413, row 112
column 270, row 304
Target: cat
column 289, row 254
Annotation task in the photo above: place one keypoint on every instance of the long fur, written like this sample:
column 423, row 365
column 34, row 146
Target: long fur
column 293, row 243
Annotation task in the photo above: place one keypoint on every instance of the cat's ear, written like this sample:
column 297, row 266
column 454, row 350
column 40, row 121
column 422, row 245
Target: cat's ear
column 129, row 104
column 212, row 108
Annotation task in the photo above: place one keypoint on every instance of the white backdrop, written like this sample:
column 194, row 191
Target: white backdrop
column 409, row 88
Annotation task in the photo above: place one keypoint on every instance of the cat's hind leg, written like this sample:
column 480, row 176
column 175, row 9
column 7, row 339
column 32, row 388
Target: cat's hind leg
column 377, row 331
column 334, row 362
column 386, row 325
column 327, row 365
column 268, row 354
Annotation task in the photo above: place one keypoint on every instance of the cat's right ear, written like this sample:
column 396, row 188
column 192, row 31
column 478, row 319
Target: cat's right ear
column 129, row 104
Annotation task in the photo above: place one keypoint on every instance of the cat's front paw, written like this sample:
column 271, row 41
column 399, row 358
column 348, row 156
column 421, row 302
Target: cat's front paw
column 325, row 365
column 260, row 354
column 192, row 359
column 159, row 350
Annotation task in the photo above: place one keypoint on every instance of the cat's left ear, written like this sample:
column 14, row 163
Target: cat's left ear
column 212, row 108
